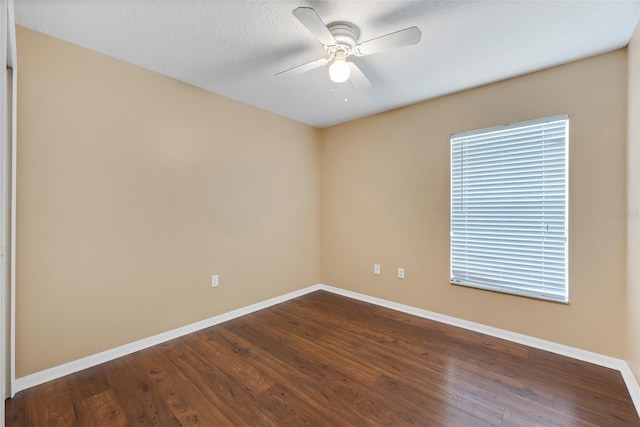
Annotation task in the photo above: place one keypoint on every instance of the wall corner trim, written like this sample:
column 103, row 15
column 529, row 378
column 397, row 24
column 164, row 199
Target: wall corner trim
column 631, row 383
column 620, row 365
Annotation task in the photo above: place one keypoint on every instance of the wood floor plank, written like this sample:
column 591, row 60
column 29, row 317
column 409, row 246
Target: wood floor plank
column 411, row 369
column 102, row 409
column 183, row 398
column 592, row 407
column 324, row 359
column 88, row 383
column 312, row 350
column 14, row 410
column 56, row 398
column 320, row 397
column 315, row 397
column 374, row 408
column 430, row 407
column 263, row 360
column 290, row 410
column 136, row 394
column 290, row 355
column 243, row 373
column 232, row 397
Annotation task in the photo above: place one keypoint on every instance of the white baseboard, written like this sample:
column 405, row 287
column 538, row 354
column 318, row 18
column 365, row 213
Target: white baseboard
column 87, row 362
column 632, row 385
column 41, row 377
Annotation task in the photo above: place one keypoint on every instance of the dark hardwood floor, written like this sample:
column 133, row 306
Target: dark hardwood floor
column 326, row 360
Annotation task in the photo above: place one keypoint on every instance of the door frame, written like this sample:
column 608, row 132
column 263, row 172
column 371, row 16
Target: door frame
column 9, row 224
column 8, row 104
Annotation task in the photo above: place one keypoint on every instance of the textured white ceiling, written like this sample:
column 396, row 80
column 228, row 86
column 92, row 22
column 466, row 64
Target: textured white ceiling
column 235, row 48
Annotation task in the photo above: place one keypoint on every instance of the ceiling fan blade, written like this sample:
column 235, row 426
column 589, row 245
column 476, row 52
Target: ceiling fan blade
column 295, row 71
column 310, row 19
column 358, row 79
column 401, row 38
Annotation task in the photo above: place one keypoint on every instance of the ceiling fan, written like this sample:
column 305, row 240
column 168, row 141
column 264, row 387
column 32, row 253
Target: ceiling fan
column 340, row 40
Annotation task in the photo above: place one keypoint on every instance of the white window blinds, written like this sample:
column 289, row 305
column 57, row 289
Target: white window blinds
column 509, row 208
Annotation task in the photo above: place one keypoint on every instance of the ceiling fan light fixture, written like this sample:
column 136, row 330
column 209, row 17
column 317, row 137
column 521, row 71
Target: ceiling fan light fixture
column 339, row 70
column 340, row 40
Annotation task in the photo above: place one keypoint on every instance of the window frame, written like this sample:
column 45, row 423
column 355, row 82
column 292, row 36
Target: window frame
column 498, row 287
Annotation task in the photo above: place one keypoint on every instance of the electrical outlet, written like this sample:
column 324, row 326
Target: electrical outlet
column 214, row 280
column 376, row 269
column 400, row 273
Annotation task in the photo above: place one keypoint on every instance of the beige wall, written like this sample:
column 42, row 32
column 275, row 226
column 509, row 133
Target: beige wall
column 385, row 199
column 133, row 189
column 633, row 207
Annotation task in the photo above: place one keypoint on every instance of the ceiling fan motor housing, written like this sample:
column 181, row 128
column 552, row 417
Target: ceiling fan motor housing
column 346, row 35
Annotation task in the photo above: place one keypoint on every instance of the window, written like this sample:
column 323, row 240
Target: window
column 509, row 208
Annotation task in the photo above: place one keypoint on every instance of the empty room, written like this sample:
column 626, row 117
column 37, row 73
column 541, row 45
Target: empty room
column 347, row 213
